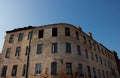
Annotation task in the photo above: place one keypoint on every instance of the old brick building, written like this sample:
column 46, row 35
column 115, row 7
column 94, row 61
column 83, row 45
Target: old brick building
column 56, row 51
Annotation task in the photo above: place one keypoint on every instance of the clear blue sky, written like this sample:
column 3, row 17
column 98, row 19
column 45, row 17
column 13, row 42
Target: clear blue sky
column 101, row 17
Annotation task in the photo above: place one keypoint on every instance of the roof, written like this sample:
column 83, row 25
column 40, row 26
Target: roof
column 31, row 27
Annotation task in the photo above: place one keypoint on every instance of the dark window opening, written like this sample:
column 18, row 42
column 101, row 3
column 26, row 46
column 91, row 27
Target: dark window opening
column 4, row 71
column 84, row 39
column 86, row 53
column 54, row 32
column 92, row 56
column 40, row 34
column 80, row 69
column 99, row 74
column 77, row 35
column 68, row 68
column 7, row 55
column 94, row 72
column 90, row 43
column 18, row 49
column 39, row 48
column 68, row 48
column 100, row 60
column 103, row 74
column 88, row 70
column 11, row 38
column 67, row 31
column 14, row 70
column 78, row 50
column 54, row 68
column 20, row 37
column 96, row 58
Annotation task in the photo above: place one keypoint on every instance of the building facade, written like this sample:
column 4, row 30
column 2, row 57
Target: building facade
column 55, row 51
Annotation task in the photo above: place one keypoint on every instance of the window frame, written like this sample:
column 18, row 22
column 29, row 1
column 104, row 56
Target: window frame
column 89, row 71
column 67, row 31
column 80, row 69
column 37, row 68
column 20, row 37
column 54, row 47
column 69, row 68
column 41, row 33
column 4, row 71
column 8, row 51
column 94, row 72
column 18, row 50
column 14, row 70
column 86, row 53
column 54, row 32
column 68, row 47
column 11, row 39
column 78, row 50
column 53, row 68
column 39, row 49
column 77, row 35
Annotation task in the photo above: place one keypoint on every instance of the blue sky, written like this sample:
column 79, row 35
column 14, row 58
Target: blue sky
column 101, row 17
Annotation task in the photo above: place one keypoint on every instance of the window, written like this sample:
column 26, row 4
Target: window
column 53, row 68
column 103, row 74
column 18, row 51
column 107, row 63
column 68, row 47
column 38, row 69
column 78, row 50
column 96, row 58
column 92, row 56
column 100, row 60
column 20, row 37
column 11, row 38
column 94, row 72
column 90, row 43
column 4, row 71
column 94, row 46
column 67, row 31
column 54, row 47
column 84, row 39
column 99, row 74
column 14, row 70
column 77, row 35
column 54, row 32
column 24, row 70
column 80, row 69
column 86, row 53
column 7, row 55
column 40, row 34
column 68, row 68
column 30, row 35
column 88, row 71
column 102, row 51
column 39, row 48
column 98, row 48
column 107, row 74
column 104, row 62
column 27, row 50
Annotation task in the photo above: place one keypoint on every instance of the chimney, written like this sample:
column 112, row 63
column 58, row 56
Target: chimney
column 90, row 34
column 79, row 28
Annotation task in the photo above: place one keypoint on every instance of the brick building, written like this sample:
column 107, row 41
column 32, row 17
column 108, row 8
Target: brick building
column 55, row 51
